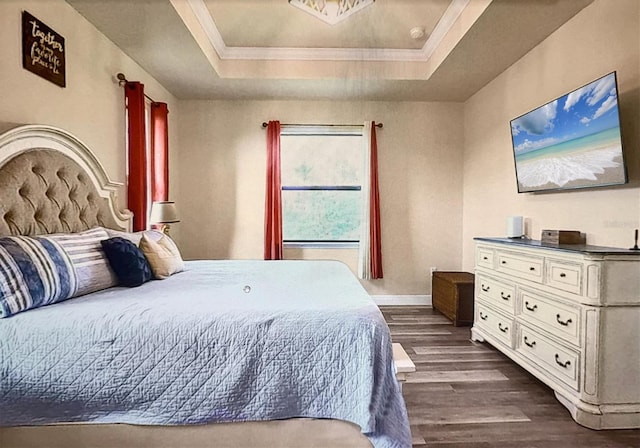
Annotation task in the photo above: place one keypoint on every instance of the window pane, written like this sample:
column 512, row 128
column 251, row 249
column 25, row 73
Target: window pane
column 321, row 160
column 321, row 215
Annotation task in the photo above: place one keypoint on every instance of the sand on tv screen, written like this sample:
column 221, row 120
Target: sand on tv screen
column 571, row 142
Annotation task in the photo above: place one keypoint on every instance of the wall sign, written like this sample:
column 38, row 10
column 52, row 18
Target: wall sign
column 42, row 50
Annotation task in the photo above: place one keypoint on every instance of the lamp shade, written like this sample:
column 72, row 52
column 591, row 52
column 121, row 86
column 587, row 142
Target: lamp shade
column 163, row 212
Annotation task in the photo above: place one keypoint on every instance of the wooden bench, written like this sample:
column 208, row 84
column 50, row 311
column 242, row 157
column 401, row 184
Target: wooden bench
column 402, row 363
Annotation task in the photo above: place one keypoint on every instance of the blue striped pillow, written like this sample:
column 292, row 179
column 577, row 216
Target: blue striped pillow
column 33, row 272
column 88, row 258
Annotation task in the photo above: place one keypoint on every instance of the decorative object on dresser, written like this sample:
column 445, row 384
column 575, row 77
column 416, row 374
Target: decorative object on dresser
column 452, row 295
column 570, row 316
column 558, row 237
column 515, row 227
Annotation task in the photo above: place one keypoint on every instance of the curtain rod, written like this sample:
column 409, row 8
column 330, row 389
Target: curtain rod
column 265, row 124
column 122, row 80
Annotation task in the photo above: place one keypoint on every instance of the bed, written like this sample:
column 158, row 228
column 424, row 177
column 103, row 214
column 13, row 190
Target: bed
column 288, row 353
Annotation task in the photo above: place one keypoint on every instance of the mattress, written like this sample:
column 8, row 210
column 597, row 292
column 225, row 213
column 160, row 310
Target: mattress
column 223, row 341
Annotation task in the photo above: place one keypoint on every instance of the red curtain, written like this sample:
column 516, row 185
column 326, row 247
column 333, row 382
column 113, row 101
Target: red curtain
column 374, row 210
column 273, row 202
column 137, row 180
column 159, row 152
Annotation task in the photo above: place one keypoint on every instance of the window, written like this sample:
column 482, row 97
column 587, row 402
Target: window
column 321, row 185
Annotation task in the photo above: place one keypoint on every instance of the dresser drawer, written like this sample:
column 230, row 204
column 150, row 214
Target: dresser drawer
column 484, row 257
column 561, row 362
column 524, row 266
column 558, row 319
column 564, row 276
column 502, row 295
column 494, row 323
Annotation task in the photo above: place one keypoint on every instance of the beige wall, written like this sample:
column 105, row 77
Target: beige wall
column 429, row 214
column 223, row 154
column 602, row 38
column 91, row 106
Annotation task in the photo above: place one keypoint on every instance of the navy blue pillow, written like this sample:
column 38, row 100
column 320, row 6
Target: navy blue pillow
column 127, row 261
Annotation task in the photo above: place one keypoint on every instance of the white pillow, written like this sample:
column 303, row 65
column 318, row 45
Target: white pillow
column 163, row 256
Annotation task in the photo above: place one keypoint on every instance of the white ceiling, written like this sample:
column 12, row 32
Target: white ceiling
column 267, row 49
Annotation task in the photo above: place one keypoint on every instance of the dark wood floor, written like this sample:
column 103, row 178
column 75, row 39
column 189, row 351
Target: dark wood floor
column 466, row 394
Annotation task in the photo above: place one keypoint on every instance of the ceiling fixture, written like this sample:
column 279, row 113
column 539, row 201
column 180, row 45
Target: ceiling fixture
column 331, row 11
column 417, row 32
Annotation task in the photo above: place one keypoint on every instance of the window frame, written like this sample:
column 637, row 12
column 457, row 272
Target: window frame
column 321, row 131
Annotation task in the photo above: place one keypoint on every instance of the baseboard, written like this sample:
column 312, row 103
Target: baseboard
column 404, row 300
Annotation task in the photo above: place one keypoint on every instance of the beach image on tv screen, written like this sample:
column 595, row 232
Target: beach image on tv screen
column 571, row 142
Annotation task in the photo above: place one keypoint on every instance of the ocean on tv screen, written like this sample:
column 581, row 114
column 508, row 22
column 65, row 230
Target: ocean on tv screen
column 571, row 142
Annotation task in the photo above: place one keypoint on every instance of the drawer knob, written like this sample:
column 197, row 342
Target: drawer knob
column 563, row 275
column 529, row 344
column 565, row 364
column 530, row 308
column 501, row 328
column 507, row 297
column 503, row 262
column 532, row 268
column 565, row 323
column 485, row 258
column 485, row 288
column 483, row 316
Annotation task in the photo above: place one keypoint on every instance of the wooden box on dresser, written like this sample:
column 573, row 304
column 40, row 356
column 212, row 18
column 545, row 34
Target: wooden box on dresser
column 570, row 315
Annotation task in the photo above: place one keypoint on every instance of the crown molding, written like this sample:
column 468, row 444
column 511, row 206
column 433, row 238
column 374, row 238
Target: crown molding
column 455, row 9
column 448, row 19
column 203, row 16
column 322, row 54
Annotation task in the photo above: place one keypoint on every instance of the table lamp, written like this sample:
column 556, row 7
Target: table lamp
column 163, row 213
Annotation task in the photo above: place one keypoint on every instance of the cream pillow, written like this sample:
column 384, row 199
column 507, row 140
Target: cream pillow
column 135, row 237
column 163, row 256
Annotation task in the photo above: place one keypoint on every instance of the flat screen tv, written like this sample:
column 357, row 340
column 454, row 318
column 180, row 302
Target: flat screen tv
column 571, row 142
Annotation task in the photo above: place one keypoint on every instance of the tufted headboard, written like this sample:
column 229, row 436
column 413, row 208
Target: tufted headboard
column 50, row 182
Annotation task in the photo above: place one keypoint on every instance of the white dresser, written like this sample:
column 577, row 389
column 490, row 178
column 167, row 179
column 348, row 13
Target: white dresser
column 571, row 317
